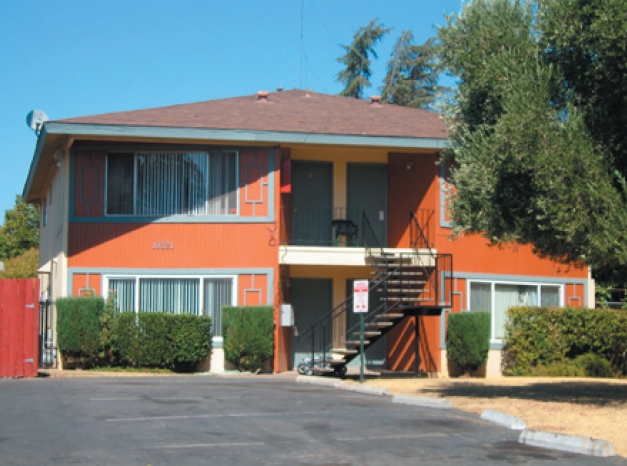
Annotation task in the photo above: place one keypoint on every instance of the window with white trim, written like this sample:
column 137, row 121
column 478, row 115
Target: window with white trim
column 176, row 295
column 172, row 183
column 497, row 297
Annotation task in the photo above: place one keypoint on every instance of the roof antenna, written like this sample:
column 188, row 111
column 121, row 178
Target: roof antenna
column 302, row 43
column 35, row 120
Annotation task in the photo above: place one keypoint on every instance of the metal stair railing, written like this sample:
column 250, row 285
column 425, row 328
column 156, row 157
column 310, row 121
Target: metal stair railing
column 443, row 263
column 324, row 326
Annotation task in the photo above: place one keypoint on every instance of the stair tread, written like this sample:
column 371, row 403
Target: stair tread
column 369, row 333
column 404, row 298
column 356, row 342
column 407, row 290
column 344, row 351
column 335, row 361
column 379, row 324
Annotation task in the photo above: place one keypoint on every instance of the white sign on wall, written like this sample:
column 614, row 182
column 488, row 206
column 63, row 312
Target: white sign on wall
column 360, row 296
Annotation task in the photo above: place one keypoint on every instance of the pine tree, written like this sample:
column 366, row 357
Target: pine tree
column 412, row 76
column 356, row 74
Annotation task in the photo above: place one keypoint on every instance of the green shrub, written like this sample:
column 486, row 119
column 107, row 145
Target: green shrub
column 594, row 365
column 585, row 365
column 468, row 340
column 161, row 340
column 248, row 335
column 78, row 328
column 191, row 340
column 546, row 336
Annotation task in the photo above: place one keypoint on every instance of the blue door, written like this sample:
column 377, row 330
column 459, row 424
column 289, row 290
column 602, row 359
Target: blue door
column 312, row 203
column 367, row 192
column 312, row 299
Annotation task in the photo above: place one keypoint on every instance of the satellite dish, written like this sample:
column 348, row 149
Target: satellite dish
column 35, row 120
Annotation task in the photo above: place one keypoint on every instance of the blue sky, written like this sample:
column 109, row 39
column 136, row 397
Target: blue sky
column 73, row 58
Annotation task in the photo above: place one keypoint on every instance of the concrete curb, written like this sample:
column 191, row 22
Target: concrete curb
column 313, row 380
column 502, row 419
column 365, row 389
column 570, row 443
column 424, row 401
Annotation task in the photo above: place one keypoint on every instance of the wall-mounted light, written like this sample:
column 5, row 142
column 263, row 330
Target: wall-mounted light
column 410, row 165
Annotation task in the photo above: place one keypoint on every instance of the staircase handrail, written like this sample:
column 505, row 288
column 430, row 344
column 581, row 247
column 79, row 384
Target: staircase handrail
column 415, row 225
column 331, row 316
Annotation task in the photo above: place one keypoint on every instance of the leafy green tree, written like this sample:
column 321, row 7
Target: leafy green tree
column 412, row 75
column 356, row 74
column 23, row 266
column 528, row 164
column 20, row 231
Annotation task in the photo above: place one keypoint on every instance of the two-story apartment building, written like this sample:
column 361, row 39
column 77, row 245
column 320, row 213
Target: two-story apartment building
column 278, row 198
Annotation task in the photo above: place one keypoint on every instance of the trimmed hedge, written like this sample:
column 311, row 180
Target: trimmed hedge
column 547, row 336
column 248, row 335
column 78, row 327
column 157, row 339
column 468, row 340
column 95, row 333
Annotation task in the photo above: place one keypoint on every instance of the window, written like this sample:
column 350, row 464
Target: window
column 190, row 183
column 176, row 295
column 496, row 298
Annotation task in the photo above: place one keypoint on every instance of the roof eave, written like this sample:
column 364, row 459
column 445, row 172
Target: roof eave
column 205, row 134
column 41, row 142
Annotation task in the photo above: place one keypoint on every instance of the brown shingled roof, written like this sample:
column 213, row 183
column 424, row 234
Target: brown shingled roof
column 288, row 111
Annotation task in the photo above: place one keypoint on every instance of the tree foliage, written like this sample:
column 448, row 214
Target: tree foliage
column 356, row 73
column 412, row 75
column 536, row 158
column 22, row 266
column 20, row 231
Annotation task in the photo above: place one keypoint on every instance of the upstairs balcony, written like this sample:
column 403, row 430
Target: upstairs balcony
column 346, row 236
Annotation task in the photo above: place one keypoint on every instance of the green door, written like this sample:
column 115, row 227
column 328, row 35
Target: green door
column 312, row 203
column 367, row 192
column 312, row 299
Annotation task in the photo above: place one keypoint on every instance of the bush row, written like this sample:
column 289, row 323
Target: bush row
column 549, row 336
column 95, row 334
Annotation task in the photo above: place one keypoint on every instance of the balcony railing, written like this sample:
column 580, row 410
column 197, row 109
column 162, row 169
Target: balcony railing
column 320, row 226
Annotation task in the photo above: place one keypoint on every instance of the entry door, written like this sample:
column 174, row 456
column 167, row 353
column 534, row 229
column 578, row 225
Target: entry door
column 375, row 354
column 312, row 203
column 312, row 299
column 367, row 191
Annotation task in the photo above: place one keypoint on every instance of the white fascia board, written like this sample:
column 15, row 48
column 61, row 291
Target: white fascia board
column 41, row 142
column 164, row 132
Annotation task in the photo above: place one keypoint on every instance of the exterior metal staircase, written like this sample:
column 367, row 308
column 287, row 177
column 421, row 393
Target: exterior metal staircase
column 407, row 284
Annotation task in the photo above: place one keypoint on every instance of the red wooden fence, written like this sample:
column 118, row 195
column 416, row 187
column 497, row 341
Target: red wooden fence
column 19, row 332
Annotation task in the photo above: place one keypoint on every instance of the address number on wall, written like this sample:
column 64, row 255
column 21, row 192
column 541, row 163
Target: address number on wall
column 163, row 245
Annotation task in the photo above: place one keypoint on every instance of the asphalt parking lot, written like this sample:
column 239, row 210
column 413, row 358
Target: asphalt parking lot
column 246, row 420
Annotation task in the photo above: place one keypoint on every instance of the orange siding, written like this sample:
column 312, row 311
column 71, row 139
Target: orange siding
column 473, row 253
column 89, row 171
column 255, row 191
column 409, row 190
column 167, row 245
column 253, row 290
column 82, row 282
column 402, row 345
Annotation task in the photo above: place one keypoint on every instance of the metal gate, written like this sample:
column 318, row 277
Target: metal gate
column 19, row 327
column 47, row 347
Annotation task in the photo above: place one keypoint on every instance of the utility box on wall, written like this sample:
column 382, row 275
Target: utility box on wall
column 287, row 315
